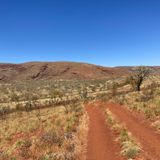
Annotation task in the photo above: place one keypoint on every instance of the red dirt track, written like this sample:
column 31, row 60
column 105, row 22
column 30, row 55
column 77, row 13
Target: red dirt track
column 101, row 141
column 140, row 129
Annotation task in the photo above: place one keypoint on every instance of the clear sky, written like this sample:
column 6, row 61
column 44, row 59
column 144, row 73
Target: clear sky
column 105, row 32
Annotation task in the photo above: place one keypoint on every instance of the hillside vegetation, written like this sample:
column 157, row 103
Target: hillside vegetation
column 61, row 70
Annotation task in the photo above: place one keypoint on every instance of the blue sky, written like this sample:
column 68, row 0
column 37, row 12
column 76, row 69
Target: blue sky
column 104, row 32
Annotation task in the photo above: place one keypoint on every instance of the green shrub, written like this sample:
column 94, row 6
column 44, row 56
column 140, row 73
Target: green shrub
column 124, row 135
column 13, row 158
column 149, row 113
column 129, row 149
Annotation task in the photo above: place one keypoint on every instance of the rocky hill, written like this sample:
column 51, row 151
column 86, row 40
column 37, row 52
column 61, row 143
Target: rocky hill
column 61, row 70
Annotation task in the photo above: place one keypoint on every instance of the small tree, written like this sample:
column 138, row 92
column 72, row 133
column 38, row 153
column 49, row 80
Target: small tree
column 140, row 74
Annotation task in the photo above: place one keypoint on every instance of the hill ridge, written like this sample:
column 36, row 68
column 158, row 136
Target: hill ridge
column 61, row 70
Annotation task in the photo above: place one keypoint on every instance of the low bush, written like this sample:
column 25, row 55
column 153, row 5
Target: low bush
column 129, row 148
column 51, row 138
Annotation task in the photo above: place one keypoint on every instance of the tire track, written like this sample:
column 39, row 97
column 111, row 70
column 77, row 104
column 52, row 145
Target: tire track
column 141, row 130
column 101, row 144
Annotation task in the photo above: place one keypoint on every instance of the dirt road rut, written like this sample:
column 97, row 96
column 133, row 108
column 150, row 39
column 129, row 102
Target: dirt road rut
column 140, row 129
column 101, row 141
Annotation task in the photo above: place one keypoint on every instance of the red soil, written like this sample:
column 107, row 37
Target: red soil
column 140, row 129
column 101, row 144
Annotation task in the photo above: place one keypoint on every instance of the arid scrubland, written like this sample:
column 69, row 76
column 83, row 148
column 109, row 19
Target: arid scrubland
column 47, row 120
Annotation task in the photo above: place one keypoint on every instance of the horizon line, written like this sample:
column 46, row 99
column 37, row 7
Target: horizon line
column 80, row 62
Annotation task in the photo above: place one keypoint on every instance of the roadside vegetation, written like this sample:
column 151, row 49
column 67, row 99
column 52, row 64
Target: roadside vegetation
column 129, row 146
column 44, row 134
column 145, row 101
column 47, row 120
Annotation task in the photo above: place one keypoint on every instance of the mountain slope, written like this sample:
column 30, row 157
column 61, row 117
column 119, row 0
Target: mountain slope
column 59, row 70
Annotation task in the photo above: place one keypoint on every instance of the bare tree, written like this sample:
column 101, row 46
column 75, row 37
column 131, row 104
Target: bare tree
column 138, row 77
